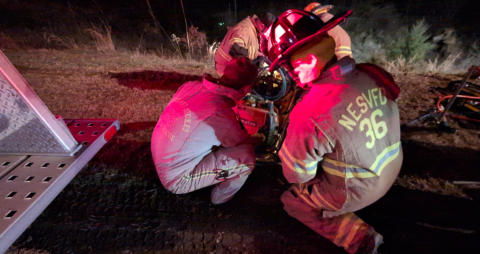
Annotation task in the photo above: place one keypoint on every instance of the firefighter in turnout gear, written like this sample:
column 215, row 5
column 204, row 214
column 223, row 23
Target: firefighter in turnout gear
column 342, row 149
column 198, row 141
column 242, row 40
column 343, row 44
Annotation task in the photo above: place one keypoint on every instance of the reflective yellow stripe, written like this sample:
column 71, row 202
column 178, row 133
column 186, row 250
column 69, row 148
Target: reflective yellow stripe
column 288, row 158
column 382, row 155
column 238, row 41
column 334, row 172
column 285, row 159
column 360, row 175
column 298, row 189
column 251, row 52
column 196, row 176
column 387, row 161
column 321, row 11
column 323, row 200
column 339, row 163
column 343, row 50
column 472, row 107
column 224, row 55
column 350, row 170
column 202, row 174
column 311, row 164
column 348, row 174
column 307, row 199
column 303, row 171
column 357, row 225
column 341, row 229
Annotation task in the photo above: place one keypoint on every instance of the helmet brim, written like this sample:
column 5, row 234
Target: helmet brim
column 325, row 28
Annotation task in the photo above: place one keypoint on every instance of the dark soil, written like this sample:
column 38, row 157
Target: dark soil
column 153, row 80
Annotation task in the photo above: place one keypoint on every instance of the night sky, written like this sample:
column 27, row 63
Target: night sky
column 461, row 14
column 130, row 15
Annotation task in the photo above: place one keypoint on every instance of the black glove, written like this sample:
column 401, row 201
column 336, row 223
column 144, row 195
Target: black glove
column 259, row 61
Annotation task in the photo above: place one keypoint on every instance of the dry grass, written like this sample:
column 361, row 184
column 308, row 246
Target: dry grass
column 102, row 37
column 212, row 49
column 399, row 65
column 54, row 41
column 6, row 42
column 194, row 45
column 448, row 65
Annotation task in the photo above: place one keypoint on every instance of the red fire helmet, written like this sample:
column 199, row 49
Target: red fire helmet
column 293, row 29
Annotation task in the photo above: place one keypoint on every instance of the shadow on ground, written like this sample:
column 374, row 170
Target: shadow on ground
column 153, row 80
column 449, row 163
column 136, row 126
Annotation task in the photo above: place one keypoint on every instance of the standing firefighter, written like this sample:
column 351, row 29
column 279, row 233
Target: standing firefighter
column 198, row 142
column 241, row 40
column 342, row 149
column 343, row 44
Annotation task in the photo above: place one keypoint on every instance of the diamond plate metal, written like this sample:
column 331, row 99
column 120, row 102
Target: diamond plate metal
column 26, row 124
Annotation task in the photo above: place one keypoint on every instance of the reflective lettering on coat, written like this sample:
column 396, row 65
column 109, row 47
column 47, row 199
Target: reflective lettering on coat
column 361, row 103
column 187, row 122
column 355, row 111
column 373, row 94
column 177, row 107
column 347, row 122
column 383, row 98
column 167, row 133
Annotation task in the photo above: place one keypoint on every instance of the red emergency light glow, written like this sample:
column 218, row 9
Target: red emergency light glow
column 294, row 17
column 306, row 69
column 336, row 74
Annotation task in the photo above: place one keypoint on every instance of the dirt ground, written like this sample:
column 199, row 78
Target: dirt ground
column 117, row 205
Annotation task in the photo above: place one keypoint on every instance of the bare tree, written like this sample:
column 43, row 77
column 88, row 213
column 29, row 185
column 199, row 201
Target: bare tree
column 159, row 27
column 186, row 26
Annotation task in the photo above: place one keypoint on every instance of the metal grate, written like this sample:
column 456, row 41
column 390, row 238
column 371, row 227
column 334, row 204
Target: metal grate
column 32, row 182
column 9, row 162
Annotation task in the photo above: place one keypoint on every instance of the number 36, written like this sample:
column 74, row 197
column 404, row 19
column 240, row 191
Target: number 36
column 374, row 130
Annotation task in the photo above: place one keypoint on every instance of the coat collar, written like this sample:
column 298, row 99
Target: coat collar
column 336, row 72
column 216, row 88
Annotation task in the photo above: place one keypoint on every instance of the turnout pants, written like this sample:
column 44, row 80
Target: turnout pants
column 326, row 205
column 226, row 168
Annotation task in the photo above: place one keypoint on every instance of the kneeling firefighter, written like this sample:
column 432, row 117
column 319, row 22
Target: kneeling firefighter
column 199, row 142
column 342, row 149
